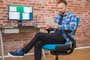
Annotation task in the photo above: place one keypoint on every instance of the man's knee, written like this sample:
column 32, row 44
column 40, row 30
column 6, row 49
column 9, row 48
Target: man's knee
column 39, row 44
column 41, row 34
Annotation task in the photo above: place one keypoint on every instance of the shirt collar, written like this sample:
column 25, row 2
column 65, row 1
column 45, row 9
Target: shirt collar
column 66, row 13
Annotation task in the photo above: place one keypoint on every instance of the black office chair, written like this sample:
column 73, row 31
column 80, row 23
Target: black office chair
column 62, row 49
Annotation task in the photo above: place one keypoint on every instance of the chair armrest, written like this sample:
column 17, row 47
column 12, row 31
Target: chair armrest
column 67, row 31
column 50, row 29
column 72, row 39
column 73, row 43
column 53, row 29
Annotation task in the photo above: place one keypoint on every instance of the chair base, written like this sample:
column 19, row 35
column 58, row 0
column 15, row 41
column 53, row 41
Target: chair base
column 56, row 58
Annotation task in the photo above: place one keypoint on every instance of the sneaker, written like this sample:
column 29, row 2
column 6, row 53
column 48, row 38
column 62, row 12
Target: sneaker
column 19, row 53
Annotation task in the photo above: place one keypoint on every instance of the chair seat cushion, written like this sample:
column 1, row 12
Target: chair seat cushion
column 51, row 46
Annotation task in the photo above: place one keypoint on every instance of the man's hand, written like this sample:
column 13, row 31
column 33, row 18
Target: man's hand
column 43, row 26
column 48, row 25
column 54, row 25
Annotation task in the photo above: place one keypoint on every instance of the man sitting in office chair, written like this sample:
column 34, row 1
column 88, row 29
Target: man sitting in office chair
column 64, row 20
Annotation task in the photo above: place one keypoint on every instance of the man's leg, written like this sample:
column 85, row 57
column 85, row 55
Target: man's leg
column 44, row 37
column 38, row 50
column 39, row 45
column 39, row 36
column 22, row 51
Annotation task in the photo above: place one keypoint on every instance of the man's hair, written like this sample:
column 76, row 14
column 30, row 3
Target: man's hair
column 62, row 1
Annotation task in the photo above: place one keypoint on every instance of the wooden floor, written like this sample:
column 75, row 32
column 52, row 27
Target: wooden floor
column 80, row 54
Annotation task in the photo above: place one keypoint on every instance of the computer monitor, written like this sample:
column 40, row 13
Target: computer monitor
column 20, row 13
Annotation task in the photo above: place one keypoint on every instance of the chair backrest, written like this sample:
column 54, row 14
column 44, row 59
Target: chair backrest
column 78, row 20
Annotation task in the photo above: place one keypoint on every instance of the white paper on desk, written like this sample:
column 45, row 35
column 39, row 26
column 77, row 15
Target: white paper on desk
column 28, row 9
column 12, row 8
column 14, row 15
column 25, row 16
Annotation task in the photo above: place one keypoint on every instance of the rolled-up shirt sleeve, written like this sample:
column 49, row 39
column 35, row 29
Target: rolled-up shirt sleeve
column 56, row 19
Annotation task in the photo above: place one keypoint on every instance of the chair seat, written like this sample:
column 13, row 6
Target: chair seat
column 52, row 46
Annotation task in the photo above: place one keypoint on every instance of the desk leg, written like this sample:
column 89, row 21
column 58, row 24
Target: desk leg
column 2, row 47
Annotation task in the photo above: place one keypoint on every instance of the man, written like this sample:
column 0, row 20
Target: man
column 63, row 21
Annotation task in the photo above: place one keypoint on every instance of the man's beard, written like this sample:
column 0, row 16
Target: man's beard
column 60, row 12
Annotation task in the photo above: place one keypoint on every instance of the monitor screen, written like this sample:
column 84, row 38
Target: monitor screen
column 20, row 13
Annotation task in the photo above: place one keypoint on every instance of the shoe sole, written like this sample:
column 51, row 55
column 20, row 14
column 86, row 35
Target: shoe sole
column 14, row 55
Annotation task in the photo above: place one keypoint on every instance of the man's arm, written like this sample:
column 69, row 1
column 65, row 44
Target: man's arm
column 55, row 22
column 53, row 25
column 72, row 25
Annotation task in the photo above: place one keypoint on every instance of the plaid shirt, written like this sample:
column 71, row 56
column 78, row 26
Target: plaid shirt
column 68, row 22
